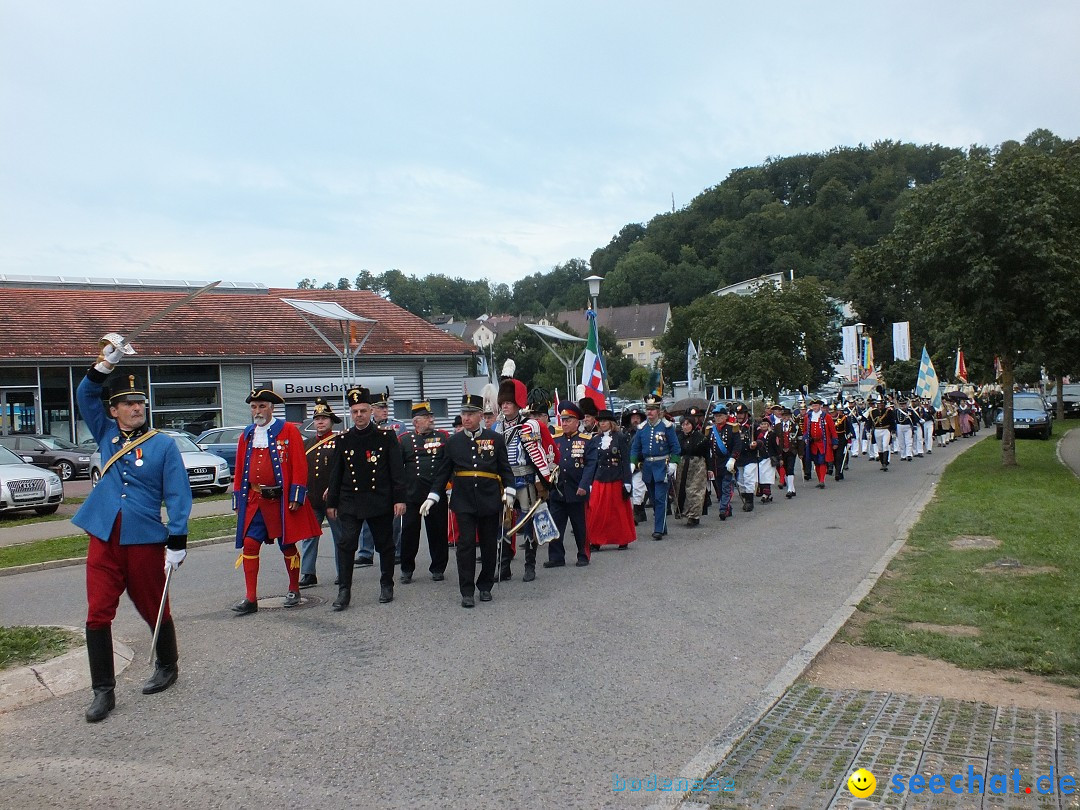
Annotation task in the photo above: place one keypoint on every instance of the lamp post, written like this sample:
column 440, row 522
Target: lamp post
column 594, row 289
column 594, row 293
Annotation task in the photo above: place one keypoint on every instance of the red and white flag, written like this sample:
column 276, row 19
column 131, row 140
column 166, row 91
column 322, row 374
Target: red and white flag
column 961, row 367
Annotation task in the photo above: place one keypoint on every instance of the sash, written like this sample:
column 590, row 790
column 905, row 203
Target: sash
column 719, row 442
column 126, row 449
column 320, row 443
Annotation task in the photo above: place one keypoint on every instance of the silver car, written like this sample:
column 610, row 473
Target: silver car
column 205, row 470
column 26, row 486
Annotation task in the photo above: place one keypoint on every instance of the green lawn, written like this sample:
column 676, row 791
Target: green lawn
column 1025, row 621
column 32, row 645
column 63, row 548
column 28, row 518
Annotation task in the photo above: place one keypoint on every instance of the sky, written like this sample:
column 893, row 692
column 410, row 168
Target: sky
column 269, row 141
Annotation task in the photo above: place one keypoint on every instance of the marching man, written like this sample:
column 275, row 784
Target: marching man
column 655, row 447
column 130, row 548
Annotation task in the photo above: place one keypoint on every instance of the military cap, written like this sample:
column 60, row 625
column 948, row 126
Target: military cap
column 125, row 388
column 653, row 401
column 421, row 409
column 264, row 393
column 457, row 420
column 720, row 409
column 539, row 400
column 381, row 400
column 358, row 395
column 323, row 409
column 472, row 403
column 569, row 409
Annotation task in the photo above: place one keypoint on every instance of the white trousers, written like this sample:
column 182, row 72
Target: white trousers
column 883, row 442
column 927, row 436
column 905, row 440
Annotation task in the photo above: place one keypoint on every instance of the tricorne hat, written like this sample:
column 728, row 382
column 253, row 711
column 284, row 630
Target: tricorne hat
column 263, row 392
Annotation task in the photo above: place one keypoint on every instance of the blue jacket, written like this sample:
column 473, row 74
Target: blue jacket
column 577, row 466
column 654, row 446
column 128, row 488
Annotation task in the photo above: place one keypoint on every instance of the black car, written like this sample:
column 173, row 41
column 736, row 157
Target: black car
column 69, row 460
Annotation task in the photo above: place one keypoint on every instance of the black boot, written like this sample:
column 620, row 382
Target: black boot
column 344, row 596
column 747, row 501
column 505, row 574
column 530, row 562
column 639, row 514
column 165, row 668
column 102, row 675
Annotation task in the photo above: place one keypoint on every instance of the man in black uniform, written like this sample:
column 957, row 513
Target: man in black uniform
column 320, row 454
column 421, row 449
column 367, row 483
column 883, row 422
column 476, row 460
column 577, row 467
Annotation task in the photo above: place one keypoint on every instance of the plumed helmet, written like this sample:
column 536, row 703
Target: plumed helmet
column 511, row 390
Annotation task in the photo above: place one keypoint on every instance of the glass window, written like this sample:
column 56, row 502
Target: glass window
column 403, row 410
column 182, row 373
column 440, row 408
column 187, row 396
column 18, row 376
column 193, row 422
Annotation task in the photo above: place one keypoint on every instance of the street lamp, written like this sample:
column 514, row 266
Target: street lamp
column 594, row 288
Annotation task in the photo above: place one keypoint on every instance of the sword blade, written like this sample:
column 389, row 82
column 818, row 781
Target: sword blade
column 175, row 305
column 160, row 614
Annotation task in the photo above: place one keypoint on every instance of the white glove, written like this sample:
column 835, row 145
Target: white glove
column 173, row 558
column 426, row 506
column 730, row 466
column 510, row 498
column 628, row 487
column 112, row 355
column 672, row 468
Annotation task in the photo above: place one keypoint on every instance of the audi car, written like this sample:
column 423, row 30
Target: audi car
column 67, row 459
column 26, row 486
column 206, row 471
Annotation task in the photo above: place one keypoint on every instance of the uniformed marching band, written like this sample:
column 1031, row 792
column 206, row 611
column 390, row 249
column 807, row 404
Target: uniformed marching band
column 501, row 483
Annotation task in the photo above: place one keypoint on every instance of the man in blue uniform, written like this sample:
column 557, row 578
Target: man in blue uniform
column 656, row 448
column 130, row 548
column 577, row 467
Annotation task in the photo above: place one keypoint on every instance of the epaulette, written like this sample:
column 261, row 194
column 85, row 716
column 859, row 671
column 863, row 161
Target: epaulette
column 667, row 422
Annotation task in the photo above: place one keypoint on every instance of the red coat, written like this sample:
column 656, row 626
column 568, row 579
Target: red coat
column 828, row 436
column 288, row 463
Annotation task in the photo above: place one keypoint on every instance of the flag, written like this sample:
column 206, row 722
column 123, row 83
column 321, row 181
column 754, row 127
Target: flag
column 656, row 382
column 901, row 340
column 997, row 367
column 927, row 385
column 593, row 374
column 866, row 358
column 961, row 368
column 693, row 370
column 482, row 366
column 558, row 419
column 850, row 344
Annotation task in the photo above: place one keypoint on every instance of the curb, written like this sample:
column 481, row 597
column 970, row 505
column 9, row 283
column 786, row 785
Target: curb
column 1060, row 458
column 24, row 686
column 47, row 564
column 714, row 752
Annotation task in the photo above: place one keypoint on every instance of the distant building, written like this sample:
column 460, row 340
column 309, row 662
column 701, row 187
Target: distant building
column 748, row 286
column 636, row 327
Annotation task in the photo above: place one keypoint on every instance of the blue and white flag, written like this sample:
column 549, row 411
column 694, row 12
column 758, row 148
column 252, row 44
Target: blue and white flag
column 927, row 386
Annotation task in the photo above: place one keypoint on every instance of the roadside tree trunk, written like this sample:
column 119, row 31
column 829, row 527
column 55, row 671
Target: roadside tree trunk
column 1008, row 432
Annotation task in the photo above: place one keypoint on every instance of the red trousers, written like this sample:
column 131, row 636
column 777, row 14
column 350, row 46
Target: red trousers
column 112, row 568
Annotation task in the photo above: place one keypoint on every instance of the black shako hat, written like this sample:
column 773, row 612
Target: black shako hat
column 125, row 388
column 358, row 395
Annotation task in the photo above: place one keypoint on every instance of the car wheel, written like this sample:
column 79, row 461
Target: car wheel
column 47, row 510
column 95, row 477
column 999, row 433
column 65, row 470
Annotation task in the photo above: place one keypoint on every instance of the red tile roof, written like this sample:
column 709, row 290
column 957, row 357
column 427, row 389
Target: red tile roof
column 42, row 323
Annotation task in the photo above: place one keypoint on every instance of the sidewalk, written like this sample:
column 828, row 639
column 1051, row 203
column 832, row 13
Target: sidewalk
column 800, row 751
column 48, row 529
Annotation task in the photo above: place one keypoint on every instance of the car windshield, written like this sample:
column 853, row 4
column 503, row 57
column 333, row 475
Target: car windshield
column 186, row 445
column 1028, row 402
column 7, row 457
column 53, row 443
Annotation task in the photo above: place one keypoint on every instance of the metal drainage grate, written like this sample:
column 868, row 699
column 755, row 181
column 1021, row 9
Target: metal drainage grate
column 278, row 602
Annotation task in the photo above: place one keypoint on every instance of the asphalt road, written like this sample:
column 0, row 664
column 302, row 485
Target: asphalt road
column 629, row 666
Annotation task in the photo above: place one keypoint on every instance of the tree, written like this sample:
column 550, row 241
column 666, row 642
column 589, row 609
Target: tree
column 902, row 375
column 771, row 340
column 992, row 249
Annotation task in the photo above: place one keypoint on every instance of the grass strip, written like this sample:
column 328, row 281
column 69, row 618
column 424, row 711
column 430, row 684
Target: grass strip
column 1026, row 617
column 64, row 548
column 32, row 645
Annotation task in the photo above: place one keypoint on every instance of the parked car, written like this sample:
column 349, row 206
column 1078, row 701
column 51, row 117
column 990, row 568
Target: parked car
column 221, row 442
column 1031, row 416
column 26, row 486
column 1070, row 399
column 69, row 460
column 206, row 471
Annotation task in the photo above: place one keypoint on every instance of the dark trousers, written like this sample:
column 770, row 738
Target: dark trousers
column 436, row 537
column 112, row 568
column 486, row 529
column 382, row 530
column 560, row 512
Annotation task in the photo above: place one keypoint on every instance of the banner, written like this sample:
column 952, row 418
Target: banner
column 866, row 358
column 593, row 375
column 694, row 386
column 901, row 340
column 927, row 386
column 850, row 343
column 997, row 367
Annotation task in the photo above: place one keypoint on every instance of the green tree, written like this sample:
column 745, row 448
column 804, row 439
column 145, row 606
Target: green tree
column 902, row 375
column 992, row 249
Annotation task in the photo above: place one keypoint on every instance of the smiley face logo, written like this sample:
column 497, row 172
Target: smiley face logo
column 861, row 783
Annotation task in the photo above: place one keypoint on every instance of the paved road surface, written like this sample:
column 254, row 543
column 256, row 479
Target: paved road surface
column 628, row 666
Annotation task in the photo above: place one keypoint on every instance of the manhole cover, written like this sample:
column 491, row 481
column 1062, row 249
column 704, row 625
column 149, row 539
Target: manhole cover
column 278, row 602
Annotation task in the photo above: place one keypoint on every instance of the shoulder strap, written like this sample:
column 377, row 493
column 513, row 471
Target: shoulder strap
column 320, row 443
column 126, row 449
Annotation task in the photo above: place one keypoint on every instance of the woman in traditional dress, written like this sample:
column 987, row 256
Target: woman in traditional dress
column 609, row 516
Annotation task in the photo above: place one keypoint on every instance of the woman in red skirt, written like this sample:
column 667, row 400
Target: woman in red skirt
column 609, row 517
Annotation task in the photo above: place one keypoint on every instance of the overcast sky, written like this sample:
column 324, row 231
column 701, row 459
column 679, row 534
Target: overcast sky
column 271, row 141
